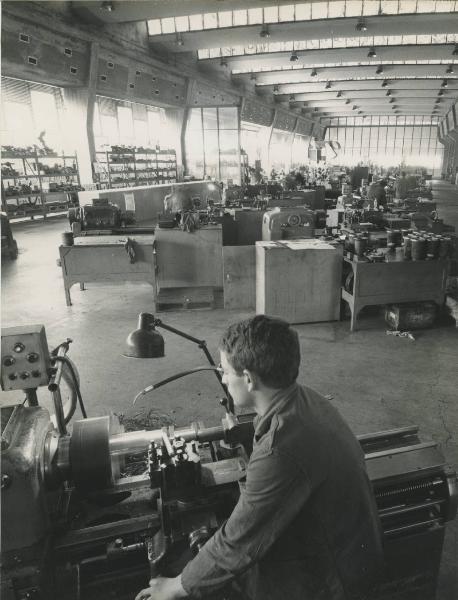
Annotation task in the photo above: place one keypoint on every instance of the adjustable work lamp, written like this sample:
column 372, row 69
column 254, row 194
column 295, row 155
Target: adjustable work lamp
column 147, row 342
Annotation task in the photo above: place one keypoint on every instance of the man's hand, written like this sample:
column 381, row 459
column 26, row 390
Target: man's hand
column 163, row 588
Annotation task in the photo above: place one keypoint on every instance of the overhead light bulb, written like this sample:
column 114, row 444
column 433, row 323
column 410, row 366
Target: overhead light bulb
column 292, row 97
column 450, row 69
column 264, row 33
column 444, row 83
column 440, row 93
column 391, row 100
column 360, row 112
column 388, row 93
column 455, row 51
column 223, row 62
column 354, row 107
column 253, row 77
column 314, row 73
column 339, row 94
column 293, row 56
column 372, row 53
column 347, row 101
column 276, row 88
column 379, row 70
column 361, row 25
column 385, row 83
column 328, row 85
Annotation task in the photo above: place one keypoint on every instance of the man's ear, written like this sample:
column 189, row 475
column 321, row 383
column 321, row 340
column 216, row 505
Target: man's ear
column 251, row 380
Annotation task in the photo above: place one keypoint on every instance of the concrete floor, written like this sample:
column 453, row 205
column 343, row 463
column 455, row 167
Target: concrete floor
column 376, row 381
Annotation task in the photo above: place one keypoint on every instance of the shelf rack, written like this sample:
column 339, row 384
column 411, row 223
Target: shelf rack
column 129, row 167
column 31, row 185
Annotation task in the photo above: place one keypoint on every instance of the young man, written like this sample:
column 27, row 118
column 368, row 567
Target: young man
column 306, row 525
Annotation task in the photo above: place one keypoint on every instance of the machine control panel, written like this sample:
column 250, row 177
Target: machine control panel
column 25, row 358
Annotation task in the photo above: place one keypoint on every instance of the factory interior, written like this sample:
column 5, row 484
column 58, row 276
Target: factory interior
column 169, row 169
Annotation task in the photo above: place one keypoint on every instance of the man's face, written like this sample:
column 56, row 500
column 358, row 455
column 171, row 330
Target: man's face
column 237, row 385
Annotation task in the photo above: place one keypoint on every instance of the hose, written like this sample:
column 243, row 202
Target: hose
column 154, row 386
column 75, row 385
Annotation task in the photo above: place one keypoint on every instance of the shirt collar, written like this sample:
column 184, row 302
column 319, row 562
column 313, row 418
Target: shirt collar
column 279, row 400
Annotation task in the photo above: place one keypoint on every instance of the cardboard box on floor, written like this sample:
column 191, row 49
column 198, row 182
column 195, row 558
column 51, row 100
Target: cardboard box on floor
column 298, row 280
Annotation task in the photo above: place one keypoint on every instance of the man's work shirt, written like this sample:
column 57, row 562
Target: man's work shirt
column 306, row 524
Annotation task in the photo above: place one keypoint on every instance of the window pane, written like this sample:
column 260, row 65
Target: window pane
column 195, row 22
column 228, row 118
column 254, row 16
column 126, row 126
column 210, row 121
column 210, row 21
column 211, row 153
column 225, row 18
column 154, row 27
column 168, row 25
column 271, row 14
column 182, row 23
column 240, row 18
column 110, row 129
column 286, row 13
column 303, row 11
column 195, row 120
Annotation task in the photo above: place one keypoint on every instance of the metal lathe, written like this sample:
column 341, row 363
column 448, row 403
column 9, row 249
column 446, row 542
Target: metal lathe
column 76, row 526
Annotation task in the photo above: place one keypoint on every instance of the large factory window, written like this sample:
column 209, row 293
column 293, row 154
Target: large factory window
column 31, row 115
column 212, row 143
column 254, row 141
column 299, row 151
column 117, row 122
column 280, row 151
column 387, row 141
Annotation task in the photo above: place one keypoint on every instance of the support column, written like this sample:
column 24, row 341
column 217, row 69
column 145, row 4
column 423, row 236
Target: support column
column 79, row 104
column 175, row 125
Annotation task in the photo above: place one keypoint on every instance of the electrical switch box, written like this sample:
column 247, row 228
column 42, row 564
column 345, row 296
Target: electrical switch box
column 25, row 358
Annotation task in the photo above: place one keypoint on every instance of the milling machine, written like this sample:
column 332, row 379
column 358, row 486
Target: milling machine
column 76, row 526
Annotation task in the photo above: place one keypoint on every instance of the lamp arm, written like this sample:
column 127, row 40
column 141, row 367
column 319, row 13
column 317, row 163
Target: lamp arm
column 203, row 346
column 159, row 384
column 159, row 323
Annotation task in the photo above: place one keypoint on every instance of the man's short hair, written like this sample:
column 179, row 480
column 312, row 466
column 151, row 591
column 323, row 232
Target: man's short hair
column 266, row 346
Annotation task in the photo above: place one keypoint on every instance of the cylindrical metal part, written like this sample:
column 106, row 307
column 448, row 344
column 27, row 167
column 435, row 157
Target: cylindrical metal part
column 138, row 441
column 90, row 454
column 418, row 249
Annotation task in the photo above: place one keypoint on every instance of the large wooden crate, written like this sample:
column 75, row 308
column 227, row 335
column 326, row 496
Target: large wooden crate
column 298, row 280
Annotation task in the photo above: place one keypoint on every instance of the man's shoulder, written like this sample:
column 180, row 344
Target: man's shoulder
column 308, row 421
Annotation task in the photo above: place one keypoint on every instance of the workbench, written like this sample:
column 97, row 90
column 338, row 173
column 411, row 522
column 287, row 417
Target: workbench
column 104, row 258
column 394, row 282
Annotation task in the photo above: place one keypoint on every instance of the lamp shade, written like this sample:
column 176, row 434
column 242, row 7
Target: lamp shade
column 145, row 341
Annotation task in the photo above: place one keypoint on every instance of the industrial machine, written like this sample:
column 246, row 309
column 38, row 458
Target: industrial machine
column 283, row 223
column 101, row 215
column 182, row 209
column 77, row 524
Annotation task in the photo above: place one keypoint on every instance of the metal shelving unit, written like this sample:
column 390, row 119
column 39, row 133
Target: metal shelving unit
column 127, row 167
column 31, row 185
